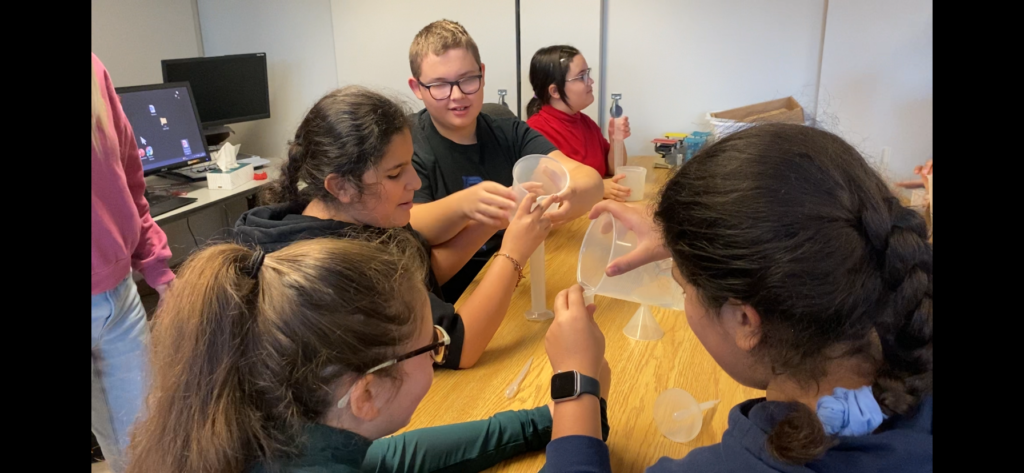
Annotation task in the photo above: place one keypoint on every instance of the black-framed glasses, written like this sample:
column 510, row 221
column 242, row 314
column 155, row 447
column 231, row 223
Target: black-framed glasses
column 583, row 76
column 442, row 90
column 438, row 347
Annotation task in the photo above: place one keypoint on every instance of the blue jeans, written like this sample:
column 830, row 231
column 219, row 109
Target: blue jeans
column 120, row 361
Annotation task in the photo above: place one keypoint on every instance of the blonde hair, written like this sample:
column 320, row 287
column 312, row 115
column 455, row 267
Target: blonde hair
column 99, row 109
column 438, row 38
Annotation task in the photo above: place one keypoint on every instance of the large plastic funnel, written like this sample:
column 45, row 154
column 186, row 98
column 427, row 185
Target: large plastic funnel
column 652, row 283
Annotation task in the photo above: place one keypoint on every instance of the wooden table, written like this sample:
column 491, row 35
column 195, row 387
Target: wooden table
column 640, row 370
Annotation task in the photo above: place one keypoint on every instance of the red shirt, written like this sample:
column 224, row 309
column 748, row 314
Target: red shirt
column 577, row 136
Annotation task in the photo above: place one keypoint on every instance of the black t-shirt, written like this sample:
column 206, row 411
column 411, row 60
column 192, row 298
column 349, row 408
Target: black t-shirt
column 446, row 167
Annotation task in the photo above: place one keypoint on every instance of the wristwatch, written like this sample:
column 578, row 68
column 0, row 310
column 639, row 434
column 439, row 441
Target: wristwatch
column 571, row 384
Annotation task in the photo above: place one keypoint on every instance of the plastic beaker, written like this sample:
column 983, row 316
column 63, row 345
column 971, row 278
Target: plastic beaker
column 652, row 283
column 548, row 174
column 635, row 177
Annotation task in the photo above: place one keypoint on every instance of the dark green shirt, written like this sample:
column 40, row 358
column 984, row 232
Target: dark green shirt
column 468, row 446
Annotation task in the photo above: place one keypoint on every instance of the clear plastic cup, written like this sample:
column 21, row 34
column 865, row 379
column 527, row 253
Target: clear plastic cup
column 543, row 175
column 652, row 283
column 635, row 177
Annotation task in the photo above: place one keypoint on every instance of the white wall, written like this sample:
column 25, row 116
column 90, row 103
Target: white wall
column 578, row 24
column 674, row 61
column 876, row 79
column 298, row 39
column 372, row 41
column 132, row 36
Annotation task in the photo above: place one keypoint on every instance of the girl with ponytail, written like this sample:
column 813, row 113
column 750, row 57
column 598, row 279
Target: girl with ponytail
column 353, row 154
column 806, row 278
column 302, row 360
column 562, row 88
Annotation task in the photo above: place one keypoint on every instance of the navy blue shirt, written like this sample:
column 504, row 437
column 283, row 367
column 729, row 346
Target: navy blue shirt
column 901, row 444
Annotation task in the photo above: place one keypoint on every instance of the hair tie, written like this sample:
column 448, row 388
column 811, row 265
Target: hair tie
column 255, row 263
column 852, row 412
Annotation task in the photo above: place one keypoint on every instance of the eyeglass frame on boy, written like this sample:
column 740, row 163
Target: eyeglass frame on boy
column 443, row 341
column 451, row 86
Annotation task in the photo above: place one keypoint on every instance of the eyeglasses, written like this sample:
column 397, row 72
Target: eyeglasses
column 583, row 76
column 439, row 347
column 442, row 90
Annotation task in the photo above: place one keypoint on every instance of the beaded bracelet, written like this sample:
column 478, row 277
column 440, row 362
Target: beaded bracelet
column 516, row 264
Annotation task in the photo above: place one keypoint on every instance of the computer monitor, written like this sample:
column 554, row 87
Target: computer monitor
column 166, row 126
column 229, row 89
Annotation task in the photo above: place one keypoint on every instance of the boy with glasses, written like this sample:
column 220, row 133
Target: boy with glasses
column 464, row 158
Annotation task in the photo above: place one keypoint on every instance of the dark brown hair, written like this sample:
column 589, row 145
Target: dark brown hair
column 242, row 364
column 347, row 133
column 792, row 220
column 549, row 66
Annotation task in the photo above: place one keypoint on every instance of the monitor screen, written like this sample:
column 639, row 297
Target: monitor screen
column 166, row 126
column 229, row 89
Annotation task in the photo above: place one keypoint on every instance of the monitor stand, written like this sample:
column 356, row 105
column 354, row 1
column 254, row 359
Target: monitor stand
column 215, row 136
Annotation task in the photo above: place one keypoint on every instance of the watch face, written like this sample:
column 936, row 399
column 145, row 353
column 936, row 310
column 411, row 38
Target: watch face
column 563, row 385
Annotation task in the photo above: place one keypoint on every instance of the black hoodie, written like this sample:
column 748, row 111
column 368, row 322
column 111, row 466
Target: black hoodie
column 273, row 227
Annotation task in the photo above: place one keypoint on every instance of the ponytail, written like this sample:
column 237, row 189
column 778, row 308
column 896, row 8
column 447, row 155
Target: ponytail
column 201, row 335
column 286, row 188
column 533, row 107
column 247, row 349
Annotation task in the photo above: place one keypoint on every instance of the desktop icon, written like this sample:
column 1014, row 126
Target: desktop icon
column 185, row 147
column 142, row 153
column 152, row 109
column 163, row 122
column 149, row 151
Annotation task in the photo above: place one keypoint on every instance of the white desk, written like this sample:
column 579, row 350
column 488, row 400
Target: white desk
column 207, row 197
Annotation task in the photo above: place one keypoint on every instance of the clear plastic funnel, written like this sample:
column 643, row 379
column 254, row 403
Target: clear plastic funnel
column 643, row 326
column 678, row 415
column 650, row 284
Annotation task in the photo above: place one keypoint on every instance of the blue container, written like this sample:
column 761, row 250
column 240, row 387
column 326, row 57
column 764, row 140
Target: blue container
column 691, row 144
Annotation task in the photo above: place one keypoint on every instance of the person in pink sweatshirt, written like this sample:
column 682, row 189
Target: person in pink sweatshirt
column 124, row 238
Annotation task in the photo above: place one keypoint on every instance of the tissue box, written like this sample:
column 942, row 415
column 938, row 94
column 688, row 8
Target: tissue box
column 230, row 179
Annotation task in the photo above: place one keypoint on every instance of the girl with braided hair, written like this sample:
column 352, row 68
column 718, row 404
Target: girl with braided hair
column 804, row 277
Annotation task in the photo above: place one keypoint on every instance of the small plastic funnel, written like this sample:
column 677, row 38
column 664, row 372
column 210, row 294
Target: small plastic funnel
column 635, row 177
column 642, row 326
column 651, row 284
column 678, row 415
column 543, row 175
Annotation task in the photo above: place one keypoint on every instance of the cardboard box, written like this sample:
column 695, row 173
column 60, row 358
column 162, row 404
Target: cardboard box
column 230, row 179
column 786, row 110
